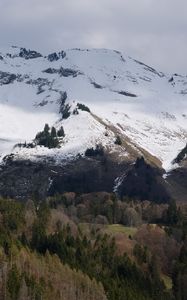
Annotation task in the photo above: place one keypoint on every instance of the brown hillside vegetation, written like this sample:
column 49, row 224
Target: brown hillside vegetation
column 28, row 276
column 162, row 246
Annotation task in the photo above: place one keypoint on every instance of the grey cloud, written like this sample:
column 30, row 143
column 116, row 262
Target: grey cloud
column 153, row 31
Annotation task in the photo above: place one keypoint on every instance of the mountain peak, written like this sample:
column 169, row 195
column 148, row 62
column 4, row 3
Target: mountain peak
column 133, row 100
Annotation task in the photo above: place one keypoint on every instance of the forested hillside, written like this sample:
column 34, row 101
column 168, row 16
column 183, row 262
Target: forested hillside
column 92, row 246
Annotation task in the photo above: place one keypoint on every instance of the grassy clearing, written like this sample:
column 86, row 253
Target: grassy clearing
column 109, row 229
column 117, row 228
column 167, row 281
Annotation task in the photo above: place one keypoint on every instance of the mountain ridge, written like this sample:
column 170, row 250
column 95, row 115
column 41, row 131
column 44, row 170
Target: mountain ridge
column 123, row 98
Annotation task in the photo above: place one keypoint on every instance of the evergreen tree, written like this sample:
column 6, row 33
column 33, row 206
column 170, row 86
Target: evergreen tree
column 53, row 132
column 46, row 129
column 48, row 138
column 179, row 275
column 172, row 216
column 60, row 132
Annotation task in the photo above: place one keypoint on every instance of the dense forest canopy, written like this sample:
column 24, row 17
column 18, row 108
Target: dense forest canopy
column 92, row 246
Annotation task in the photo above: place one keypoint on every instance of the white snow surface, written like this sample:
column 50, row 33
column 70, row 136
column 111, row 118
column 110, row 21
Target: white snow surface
column 156, row 119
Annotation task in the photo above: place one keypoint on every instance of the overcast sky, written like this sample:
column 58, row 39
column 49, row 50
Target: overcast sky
column 153, row 31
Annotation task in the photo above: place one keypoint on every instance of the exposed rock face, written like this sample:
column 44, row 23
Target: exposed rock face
column 96, row 85
column 21, row 180
column 56, row 56
column 181, row 156
column 68, row 72
column 24, row 179
column 124, row 93
column 64, row 108
column 29, row 54
column 41, row 83
column 6, row 78
column 148, row 68
column 51, row 71
column 65, row 72
column 177, row 183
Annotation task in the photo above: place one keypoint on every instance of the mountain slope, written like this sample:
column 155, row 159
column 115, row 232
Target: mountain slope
column 146, row 107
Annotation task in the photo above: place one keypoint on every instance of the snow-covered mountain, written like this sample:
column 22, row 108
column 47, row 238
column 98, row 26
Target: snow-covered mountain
column 145, row 107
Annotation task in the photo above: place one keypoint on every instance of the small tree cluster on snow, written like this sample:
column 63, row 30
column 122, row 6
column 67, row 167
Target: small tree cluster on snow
column 83, row 107
column 49, row 137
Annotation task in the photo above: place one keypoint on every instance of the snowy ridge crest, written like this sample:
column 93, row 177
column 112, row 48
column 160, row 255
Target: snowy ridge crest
column 127, row 96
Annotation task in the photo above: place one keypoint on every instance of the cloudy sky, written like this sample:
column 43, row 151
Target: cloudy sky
column 154, row 31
